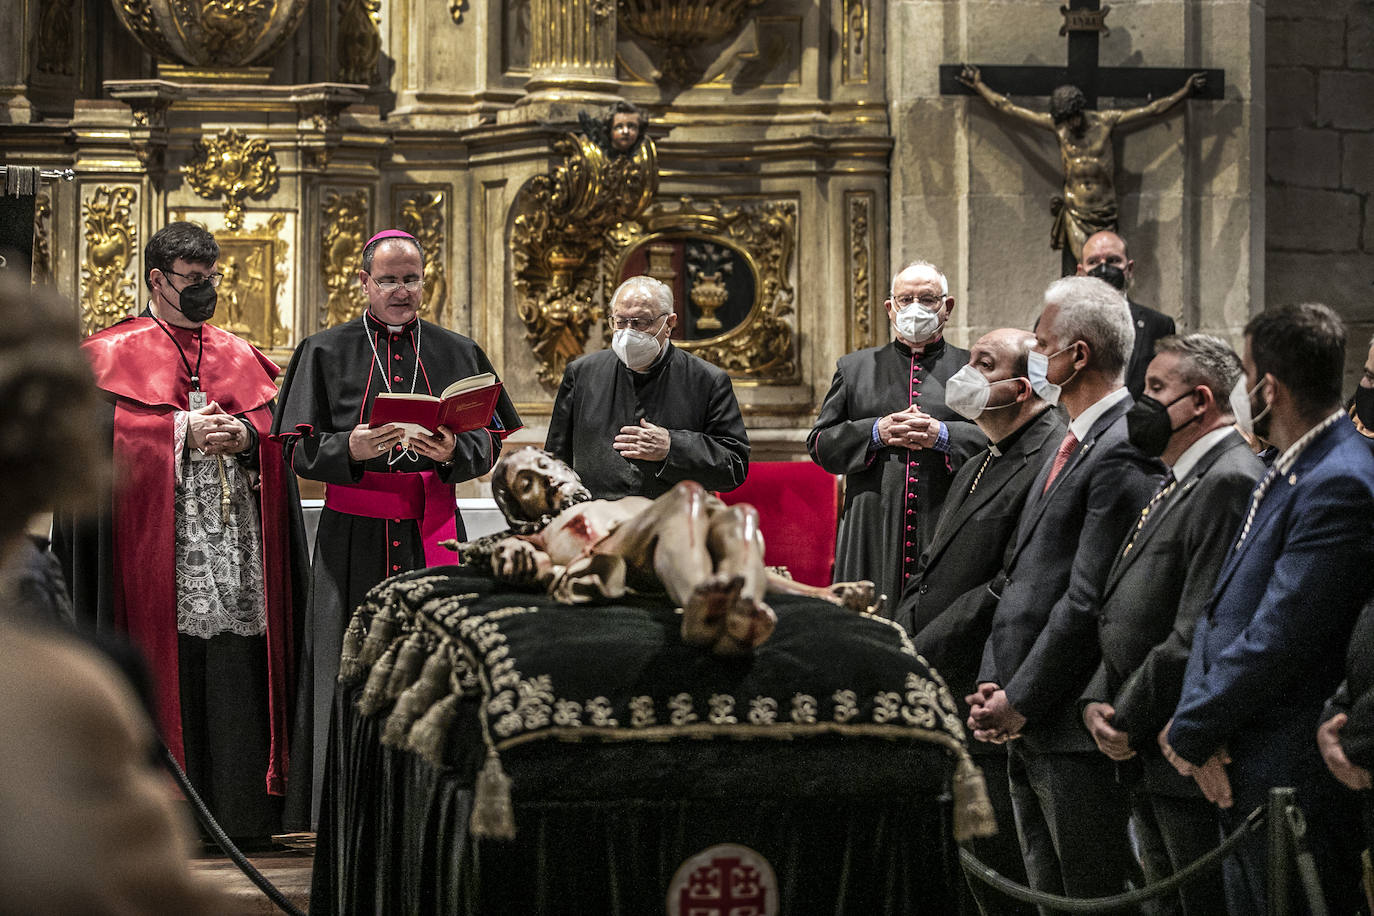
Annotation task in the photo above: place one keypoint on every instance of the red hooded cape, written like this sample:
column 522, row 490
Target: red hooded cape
column 137, row 362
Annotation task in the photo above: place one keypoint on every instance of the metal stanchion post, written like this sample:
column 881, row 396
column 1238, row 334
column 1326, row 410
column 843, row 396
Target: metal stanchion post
column 1280, row 852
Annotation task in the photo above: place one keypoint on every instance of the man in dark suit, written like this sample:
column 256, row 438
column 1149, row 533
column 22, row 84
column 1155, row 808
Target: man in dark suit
column 947, row 605
column 1155, row 591
column 1070, row 811
column 1266, row 652
column 1104, row 257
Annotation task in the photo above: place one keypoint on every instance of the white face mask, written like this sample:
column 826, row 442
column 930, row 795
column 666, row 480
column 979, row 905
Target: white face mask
column 636, row 349
column 1240, row 405
column 967, row 391
column 1038, row 372
column 916, row 323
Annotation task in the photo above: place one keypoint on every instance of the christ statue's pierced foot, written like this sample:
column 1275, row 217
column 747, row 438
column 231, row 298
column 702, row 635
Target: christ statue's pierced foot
column 719, row 618
column 858, row 596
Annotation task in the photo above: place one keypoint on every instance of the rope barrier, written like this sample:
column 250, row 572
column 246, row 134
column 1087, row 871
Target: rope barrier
column 208, row 821
column 983, row 873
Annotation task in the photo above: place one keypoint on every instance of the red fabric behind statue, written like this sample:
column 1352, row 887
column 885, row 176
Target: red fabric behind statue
column 798, row 504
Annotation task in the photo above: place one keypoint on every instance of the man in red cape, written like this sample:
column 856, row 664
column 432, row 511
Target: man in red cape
column 200, row 559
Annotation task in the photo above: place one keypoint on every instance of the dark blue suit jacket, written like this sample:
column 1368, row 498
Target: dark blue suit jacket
column 1043, row 648
column 1268, row 649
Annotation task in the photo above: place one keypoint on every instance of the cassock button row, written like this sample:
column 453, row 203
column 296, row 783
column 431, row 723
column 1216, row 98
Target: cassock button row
column 395, row 567
column 395, row 543
column 396, row 378
column 908, row 543
column 397, row 356
column 396, row 520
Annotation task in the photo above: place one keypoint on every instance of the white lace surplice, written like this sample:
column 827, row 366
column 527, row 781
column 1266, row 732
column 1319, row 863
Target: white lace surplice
column 219, row 578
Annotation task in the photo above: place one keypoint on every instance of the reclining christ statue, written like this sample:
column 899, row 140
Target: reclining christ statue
column 706, row 555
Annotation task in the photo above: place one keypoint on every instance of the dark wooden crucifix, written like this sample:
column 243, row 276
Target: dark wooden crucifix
column 1089, row 200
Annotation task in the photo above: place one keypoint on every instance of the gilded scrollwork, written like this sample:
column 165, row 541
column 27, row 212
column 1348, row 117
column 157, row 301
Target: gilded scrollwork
column 563, row 222
column 108, row 286
column 234, row 167
column 763, row 346
column 860, row 272
column 227, row 29
column 421, row 213
column 211, row 33
column 343, row 233
column 360, row 40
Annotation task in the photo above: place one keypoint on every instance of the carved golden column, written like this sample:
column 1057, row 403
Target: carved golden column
column 572, row 51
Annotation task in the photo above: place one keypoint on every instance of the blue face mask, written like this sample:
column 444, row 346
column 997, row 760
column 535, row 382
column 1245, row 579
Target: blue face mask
column 1038, row 371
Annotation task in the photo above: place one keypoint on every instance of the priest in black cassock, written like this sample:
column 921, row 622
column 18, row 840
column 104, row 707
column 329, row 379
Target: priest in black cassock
column 387, row 504
column 638, row 418
column 885, row 426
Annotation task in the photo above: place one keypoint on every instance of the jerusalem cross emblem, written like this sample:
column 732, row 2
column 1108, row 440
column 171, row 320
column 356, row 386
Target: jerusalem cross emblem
column 724, row 880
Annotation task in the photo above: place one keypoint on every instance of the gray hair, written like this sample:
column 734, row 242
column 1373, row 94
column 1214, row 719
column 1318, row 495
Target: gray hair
column 657, row 292
column 1095, row 312
column 1205, row 360
column 944, row 283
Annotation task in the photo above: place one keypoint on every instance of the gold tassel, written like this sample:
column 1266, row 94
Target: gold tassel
column 408, row 662
column 350, row 667
column 374, row 694
column 417, row 698
column 379, row 637
column 492, row 817
column 427, row 736
column 973, row 815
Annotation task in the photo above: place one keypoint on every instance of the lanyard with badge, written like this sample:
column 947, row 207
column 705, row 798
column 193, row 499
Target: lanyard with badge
column 197, row 399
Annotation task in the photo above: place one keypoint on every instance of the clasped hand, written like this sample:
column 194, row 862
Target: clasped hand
column 1210, row 777
column 991, row 715
column 215, row 432
column 910, row 428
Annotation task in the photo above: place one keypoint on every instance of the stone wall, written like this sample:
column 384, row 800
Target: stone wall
column 1319, row 229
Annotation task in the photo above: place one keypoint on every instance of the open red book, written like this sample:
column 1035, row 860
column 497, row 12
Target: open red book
column 465, row 405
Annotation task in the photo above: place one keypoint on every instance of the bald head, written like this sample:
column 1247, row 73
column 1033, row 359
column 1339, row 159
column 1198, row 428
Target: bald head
column 1008, row 348
column 1000, row 356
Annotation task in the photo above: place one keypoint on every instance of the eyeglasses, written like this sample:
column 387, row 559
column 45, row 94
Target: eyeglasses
column 638, row 324
column 197, row 279
column 930, row 302
column 390, row 286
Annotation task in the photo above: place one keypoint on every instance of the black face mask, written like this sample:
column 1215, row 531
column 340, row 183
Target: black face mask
column 197, row 301
column 1111, row 273
column 1148, row 427
column 1364, row 406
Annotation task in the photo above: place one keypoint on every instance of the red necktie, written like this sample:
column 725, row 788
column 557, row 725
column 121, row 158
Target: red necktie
column 1061, row 458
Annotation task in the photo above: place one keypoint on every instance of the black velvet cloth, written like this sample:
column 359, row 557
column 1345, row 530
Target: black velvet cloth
column 835, row 767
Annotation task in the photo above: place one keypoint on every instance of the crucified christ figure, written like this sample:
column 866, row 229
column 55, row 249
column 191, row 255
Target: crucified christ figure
column 1085, row 147
column 707, row 556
